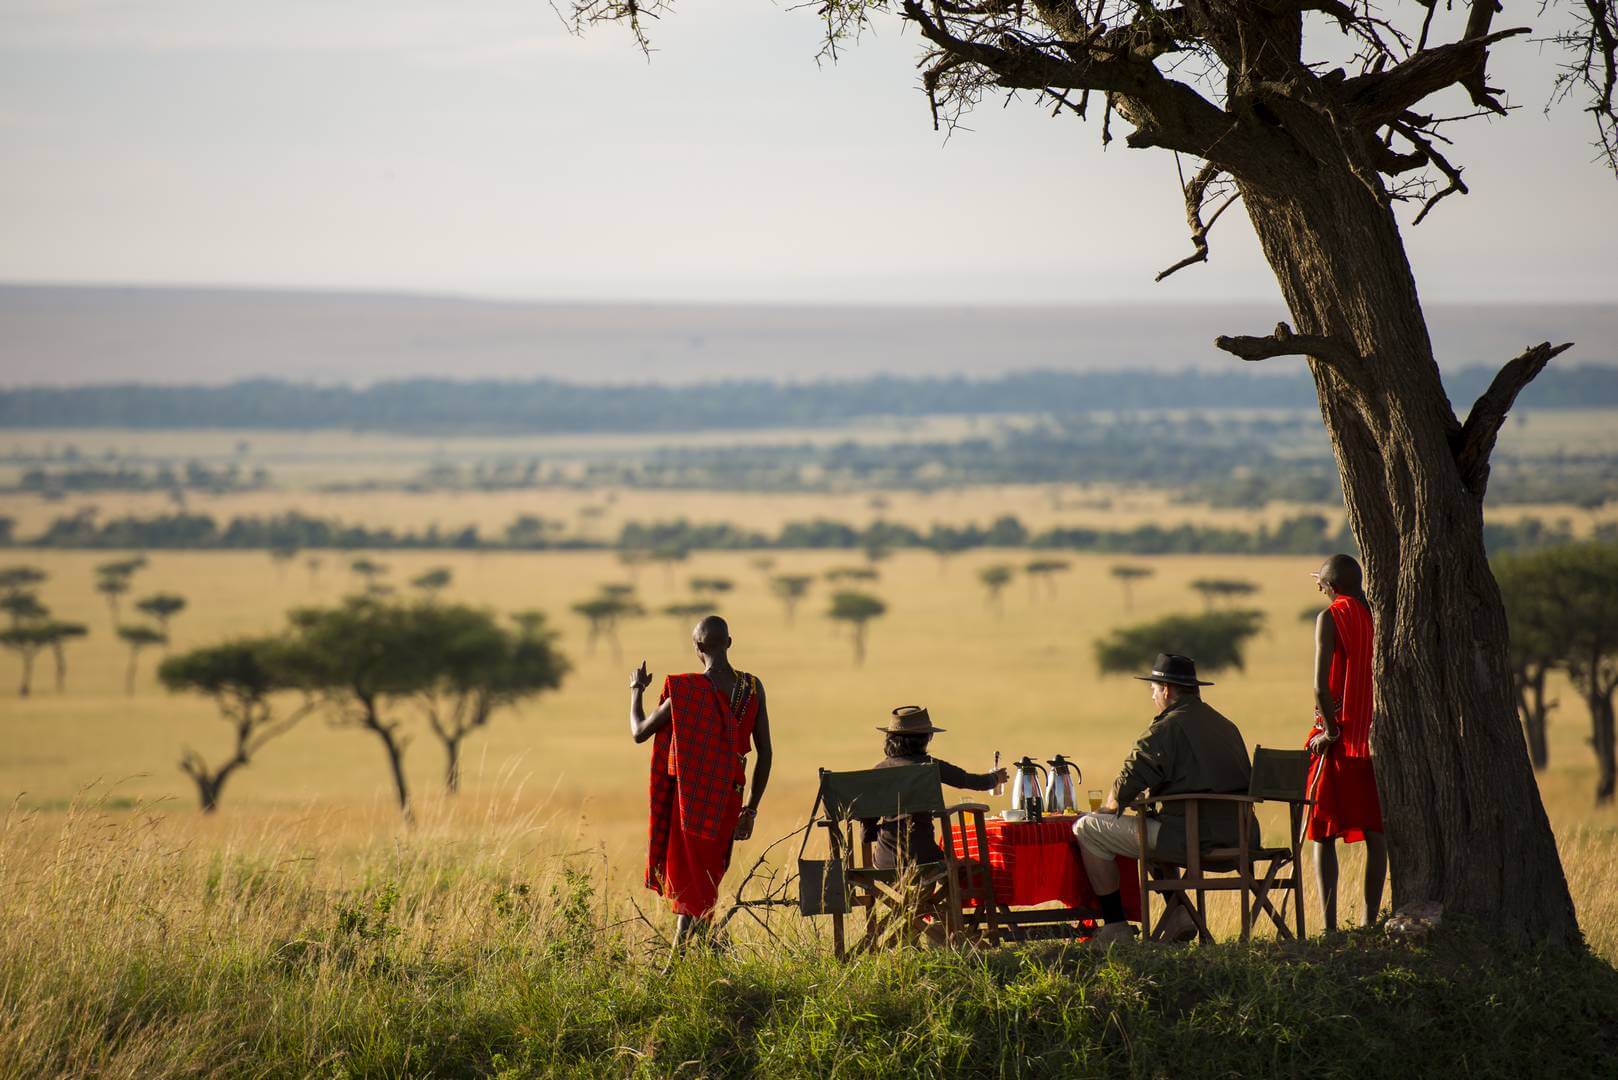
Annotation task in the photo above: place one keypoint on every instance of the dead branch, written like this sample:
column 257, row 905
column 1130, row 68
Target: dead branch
column 1196, row 193
column 1477, row 437
column 737, row 903
column 1286, row 343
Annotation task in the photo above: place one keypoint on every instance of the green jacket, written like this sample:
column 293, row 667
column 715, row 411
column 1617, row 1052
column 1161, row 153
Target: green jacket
column 1190, row 748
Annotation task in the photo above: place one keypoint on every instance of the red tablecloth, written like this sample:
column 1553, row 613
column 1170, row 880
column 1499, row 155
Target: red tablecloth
column 1039, row 862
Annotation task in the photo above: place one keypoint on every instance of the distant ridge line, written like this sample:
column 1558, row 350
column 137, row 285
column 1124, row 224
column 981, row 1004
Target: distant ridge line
column 447, row 406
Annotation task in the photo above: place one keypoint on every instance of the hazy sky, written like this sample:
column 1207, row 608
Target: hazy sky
column 475, row 147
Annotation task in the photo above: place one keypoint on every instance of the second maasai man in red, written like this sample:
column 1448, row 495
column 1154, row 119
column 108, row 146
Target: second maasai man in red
column 704, row 725
column 1342, row 779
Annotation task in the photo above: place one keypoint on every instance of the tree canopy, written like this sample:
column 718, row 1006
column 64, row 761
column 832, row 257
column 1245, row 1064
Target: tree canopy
column 1215, row 640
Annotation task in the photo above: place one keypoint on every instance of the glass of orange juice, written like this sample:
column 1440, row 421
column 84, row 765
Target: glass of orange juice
column 1095, row 799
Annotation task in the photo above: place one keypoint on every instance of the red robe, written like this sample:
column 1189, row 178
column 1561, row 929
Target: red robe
column 1343, row 781
column 699, row 767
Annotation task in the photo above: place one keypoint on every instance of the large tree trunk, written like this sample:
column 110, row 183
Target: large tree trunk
column 1465, row 823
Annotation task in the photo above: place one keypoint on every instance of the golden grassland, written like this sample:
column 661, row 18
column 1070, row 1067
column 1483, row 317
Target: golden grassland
column 561, row 776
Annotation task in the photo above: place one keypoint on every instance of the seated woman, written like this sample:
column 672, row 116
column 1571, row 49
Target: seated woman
column 908, row 734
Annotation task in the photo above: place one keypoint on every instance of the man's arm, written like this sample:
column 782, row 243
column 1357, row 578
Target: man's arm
column 641, row 726
column 766, row 753
column 1325, row 646
column 761, row 767
column 1145, row 768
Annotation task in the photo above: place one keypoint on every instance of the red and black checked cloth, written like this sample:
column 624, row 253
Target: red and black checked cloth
column 697, row 762
column 1039, row 862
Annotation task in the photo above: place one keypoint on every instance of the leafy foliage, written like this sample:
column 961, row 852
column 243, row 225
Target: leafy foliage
column 1214, row 640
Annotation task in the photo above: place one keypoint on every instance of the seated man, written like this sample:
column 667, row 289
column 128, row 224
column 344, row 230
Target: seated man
column 907, row 736
column 1189, row 748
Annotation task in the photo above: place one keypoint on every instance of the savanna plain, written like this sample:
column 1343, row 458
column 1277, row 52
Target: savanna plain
column 302, row 929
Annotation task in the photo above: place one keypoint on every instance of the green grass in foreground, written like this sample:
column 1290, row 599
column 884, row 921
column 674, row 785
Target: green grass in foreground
column 554, row 997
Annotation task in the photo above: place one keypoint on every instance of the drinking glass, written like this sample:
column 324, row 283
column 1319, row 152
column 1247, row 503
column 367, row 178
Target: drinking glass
column 1095, row 800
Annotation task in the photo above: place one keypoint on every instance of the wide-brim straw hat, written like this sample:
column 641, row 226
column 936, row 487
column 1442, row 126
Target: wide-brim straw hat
column 1174, row 670
column 910, row 720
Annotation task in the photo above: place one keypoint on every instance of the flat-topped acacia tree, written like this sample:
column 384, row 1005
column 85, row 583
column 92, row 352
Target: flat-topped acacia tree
column 1320, row 149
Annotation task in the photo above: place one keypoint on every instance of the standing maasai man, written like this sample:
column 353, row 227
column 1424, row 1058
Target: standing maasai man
column 1342, row 780
column 704, row 724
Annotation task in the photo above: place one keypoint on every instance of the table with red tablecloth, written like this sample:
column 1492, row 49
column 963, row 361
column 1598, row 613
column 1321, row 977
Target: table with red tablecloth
column 1038, row 862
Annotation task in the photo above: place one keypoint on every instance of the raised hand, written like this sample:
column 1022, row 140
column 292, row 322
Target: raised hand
column 641, row 678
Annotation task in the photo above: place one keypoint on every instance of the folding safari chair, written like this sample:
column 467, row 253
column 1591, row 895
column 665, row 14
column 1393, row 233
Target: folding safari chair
column 1278, row 776
column 898, row 902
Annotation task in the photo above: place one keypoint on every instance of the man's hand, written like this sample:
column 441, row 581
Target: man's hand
column 744, row 823
column 1320, row 745
column 1002, row 775
column 640, row 678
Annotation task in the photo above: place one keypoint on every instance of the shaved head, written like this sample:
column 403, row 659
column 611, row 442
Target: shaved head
column 1341, row 574
column 712, row 635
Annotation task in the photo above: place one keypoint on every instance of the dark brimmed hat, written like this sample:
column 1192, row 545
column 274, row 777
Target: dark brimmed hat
column 1174, row 670
column 910, row 720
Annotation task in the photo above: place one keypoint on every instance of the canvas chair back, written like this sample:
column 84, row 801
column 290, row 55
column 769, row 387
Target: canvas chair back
column 1281, row 775
column 878, row 793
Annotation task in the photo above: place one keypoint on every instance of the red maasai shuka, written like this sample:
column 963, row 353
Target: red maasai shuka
column 1039, row 862
column 699, row 765
column 1342, row 782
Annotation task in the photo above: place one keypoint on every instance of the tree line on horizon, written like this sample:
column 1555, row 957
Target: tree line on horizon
column 285, row 534
column 483, row 406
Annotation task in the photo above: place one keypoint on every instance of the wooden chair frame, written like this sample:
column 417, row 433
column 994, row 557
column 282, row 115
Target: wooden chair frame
column 898, row 901
column 1237, row 868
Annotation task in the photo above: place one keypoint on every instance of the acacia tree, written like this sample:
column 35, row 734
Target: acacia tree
column 994, row 580
column 434, row 581
column 1045, row 570
column 242, row 677
column 1320, row 154
column 686, row 610
column 114, row 579
column 1127, row 574
column 472, row 667
column 790, row 589
column 357, row 658
column 1222, row 589
column 1579, row 582
column 711, row 586
column 1528, row 588
column 27, row 640
column 138, row 637
column 856, row 609
column 58, row 634
column 1215, row 640
column 604, row 612
column 161, row 607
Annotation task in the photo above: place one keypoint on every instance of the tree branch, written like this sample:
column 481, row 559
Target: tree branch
column 1286, row 343
column 1477, row 437
column 1165, row 112
column 1378, row 99
column 1195, row 193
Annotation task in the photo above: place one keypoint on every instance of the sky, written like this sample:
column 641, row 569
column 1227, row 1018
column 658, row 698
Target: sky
column 477, row 148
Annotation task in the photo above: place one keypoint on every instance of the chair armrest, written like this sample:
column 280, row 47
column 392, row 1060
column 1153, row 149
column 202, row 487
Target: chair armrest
column 1192, row 797
column 968, row 807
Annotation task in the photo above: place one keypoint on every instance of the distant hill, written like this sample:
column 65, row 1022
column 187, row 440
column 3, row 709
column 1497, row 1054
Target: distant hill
column 76, row 336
